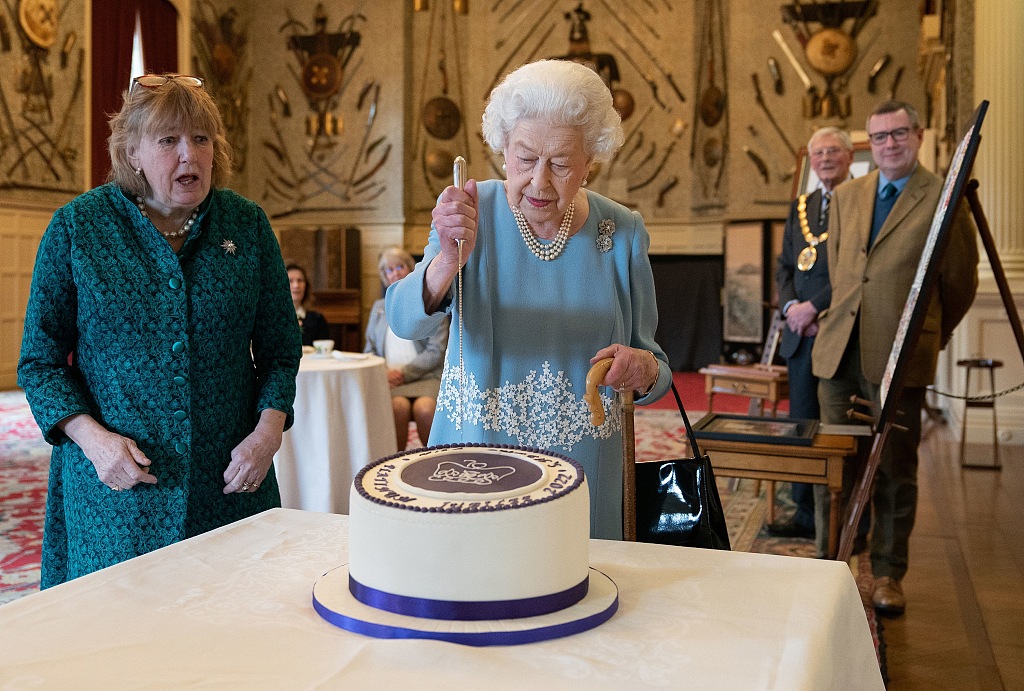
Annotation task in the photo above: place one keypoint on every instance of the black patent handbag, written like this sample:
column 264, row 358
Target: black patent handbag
column 677, row 501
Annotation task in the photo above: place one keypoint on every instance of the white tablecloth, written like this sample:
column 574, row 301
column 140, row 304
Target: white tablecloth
column 343, row 421
column 232, row 609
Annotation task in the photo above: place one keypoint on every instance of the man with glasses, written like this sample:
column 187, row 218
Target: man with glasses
column 804, row 291
column 878, row 227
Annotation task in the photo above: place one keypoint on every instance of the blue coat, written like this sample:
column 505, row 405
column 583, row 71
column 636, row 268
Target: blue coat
column 530, row 328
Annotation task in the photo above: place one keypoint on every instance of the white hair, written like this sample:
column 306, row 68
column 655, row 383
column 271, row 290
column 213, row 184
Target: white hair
column 842, row 135
column 560, row 92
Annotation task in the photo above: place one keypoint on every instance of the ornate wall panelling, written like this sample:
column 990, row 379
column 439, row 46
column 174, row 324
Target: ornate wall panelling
column 42, row 99
column 800, row 66
column 327, row 144
column 638, row 48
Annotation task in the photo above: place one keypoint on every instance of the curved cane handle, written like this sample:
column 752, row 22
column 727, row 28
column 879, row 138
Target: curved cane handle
column 595, row 376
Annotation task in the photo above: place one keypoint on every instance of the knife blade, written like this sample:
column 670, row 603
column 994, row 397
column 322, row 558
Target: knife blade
column 876, row 70
column 800, row 72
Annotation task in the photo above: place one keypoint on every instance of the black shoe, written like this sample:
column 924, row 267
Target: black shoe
column 789, row 529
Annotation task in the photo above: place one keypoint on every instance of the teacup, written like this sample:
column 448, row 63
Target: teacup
column 324, row 347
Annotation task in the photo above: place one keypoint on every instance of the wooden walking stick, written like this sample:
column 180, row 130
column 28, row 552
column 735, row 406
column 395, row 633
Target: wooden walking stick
column 595, row 376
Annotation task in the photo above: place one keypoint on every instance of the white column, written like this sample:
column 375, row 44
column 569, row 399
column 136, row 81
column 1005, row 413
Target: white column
column 999, row 168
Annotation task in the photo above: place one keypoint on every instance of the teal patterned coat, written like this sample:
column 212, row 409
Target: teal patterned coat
column 179, row 352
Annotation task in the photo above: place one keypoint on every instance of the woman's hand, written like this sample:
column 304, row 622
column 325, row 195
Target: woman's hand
column 251, row 459
column 454, row 218
column 395, row 378
column 632, row 369
column 119, row 462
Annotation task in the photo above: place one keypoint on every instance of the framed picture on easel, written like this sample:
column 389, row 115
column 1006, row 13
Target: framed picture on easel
column 912, row 320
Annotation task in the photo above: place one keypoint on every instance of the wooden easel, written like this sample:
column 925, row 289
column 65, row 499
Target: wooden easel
column 862, row 490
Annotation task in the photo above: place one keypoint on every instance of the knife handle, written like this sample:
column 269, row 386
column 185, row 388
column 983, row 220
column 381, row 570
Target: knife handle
column 459, row 172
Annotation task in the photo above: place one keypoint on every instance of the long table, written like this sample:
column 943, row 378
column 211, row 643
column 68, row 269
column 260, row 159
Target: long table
column 232, row 609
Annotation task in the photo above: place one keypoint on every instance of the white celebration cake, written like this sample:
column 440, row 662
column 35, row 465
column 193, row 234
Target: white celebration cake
column 473, row 535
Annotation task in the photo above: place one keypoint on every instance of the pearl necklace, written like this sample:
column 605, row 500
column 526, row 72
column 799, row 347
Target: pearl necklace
column 554, row 248
column 181, row 232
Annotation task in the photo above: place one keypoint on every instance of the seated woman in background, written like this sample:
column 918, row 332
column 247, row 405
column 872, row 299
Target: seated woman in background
column 312, row 323
column 414, row 367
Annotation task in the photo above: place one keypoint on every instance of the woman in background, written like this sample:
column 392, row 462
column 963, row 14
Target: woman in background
column 160, row 346
column 313, row 325
column 414, row 366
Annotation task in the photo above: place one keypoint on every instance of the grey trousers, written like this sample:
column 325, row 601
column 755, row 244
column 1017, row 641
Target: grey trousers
column 894, row 496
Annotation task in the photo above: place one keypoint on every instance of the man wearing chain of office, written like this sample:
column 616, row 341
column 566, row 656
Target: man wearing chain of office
column 804, row 290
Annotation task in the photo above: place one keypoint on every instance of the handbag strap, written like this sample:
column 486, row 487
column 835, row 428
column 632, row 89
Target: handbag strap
column 686, row 421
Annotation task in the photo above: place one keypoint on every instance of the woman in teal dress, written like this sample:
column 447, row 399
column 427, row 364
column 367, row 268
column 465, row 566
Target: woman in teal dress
column 160, row 346
column 555, row 277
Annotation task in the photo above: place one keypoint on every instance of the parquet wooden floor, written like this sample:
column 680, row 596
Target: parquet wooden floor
column 964, row 625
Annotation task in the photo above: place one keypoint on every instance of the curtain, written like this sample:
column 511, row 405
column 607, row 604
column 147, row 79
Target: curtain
column 689, row 309
column 113, row 28
column 159, row 22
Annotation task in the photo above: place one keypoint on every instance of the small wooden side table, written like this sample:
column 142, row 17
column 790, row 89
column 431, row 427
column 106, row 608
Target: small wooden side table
column 821, row 463
column 767, row 383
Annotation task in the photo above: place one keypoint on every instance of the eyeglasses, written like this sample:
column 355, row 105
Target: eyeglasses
column 830, row 151
column 155, row 81
column 899, row 134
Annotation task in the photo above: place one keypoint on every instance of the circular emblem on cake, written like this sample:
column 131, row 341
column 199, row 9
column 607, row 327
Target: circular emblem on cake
column 468, row 478
column 472, row 471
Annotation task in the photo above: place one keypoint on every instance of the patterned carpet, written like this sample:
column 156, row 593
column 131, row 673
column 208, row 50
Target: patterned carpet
column 24, row 461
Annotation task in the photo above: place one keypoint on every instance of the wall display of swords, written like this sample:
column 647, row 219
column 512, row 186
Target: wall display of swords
column 716, row 96
column 42, row 109
column 640, row 56
column 325, row 149
column 440, row 129
column 221, row 56
column 709, row 142
column 820, row 63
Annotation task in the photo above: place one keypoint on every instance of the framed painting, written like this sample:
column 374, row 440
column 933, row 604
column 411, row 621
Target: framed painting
column 757, row 430
column 743, row 295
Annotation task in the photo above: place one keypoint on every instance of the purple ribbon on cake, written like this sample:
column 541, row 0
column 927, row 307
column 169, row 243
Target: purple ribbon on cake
column 485, row 638
column 468, row 610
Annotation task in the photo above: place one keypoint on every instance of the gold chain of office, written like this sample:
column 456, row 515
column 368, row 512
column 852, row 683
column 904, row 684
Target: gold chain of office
column 809, row 254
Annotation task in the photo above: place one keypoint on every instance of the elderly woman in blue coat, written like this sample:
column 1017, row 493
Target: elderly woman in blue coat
column 414, row 367
column 554, row 278
column 160, row 345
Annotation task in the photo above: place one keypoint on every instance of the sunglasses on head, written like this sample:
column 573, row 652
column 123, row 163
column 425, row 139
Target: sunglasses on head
column 155, row 81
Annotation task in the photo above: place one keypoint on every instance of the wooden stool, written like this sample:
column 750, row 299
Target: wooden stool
column 990, row 365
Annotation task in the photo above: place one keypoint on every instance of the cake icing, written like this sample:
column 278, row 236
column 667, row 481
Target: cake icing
column 470, row 532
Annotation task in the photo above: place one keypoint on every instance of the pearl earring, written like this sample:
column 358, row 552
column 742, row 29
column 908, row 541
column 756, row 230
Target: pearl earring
column 138, row 171
column 585, row 181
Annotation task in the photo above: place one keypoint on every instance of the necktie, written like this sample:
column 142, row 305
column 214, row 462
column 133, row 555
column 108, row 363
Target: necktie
column 884, row 202
column 826, row 199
